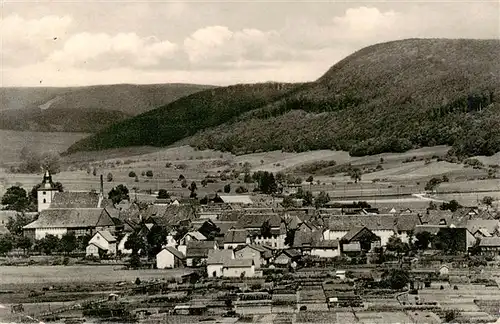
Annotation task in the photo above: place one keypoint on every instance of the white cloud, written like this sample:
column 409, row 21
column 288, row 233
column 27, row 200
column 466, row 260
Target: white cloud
column 101, row 49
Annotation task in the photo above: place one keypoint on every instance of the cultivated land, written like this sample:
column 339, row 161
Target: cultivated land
column 402, row 174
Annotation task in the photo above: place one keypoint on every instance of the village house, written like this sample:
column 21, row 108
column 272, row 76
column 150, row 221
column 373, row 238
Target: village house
column 193, row 235
column 235, row 238
column 312, row 243
column 357, row 240
column 286, row 257
column 383, row 226
column 102, row 241
column 260, row 254
column 169, row 257
column 483, row 227
column 197, row 252
column 238, row 268
column 489, row 246
column 216, row 260
column 241, row 200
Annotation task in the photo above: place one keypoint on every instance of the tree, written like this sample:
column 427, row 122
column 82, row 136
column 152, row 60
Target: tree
column 246, row 168
column 48, row 244
column 15, row 198
column 432, row 184
column 288, row 202
column 487, row 200
column 265, row 229
column 266, row 181
column 109, row 177
column 355, row 174
column 204, row 183
column 149, row 174
column 180, row 232
column 396, row 278
column 15, row 224
column 135, row 243
column 132, row 174
column 68, row 243
column 6, row 243
column 24, row 243
column 184, row 183
column 395, row 244
column 118, row 194
column 193, row 187
column 241, row 190
column 181, row 177
column 227, row 188
column 321, row 200
column 163, row 194
column 94, row 172
column 432, row 205
column 247, row 178
column 280, row 177
column 290, row 236
column 310, row 179
column 450, row 315
column 307, row 199
column 452, row 206
column 155, row 238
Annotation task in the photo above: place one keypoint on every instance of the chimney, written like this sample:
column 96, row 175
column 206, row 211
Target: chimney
column 102, row 185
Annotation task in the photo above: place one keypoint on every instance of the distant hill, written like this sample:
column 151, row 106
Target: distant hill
column 389, row 97
column 83, row 109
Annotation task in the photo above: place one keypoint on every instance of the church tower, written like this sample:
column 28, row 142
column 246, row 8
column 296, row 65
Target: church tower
column 46, row 192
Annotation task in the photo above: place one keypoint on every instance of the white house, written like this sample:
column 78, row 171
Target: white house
column 169, row 257
column 216, row 260
column 260, row 254
column 193, row 235
column 236, row 268
column 102, row 240
column 326, row 249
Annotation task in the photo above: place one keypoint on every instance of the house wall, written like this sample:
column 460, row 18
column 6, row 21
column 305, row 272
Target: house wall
column 384, row 235
column 40, row 233
column 325, row 253
column 249, row 253
column 275, row 241
column 99, row 240
column 217, row 268
column 165, row 259
column 92, row 250
column 236, row 272
column 282, row 259
column 232, row 246
column 45, row 198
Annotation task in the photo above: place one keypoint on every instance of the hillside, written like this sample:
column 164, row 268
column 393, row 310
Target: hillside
column 388, row 97
column 83, row 109
column 185, row 117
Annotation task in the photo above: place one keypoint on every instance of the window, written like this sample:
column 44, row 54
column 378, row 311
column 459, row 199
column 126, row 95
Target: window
column 44, row 201
column 44, row 193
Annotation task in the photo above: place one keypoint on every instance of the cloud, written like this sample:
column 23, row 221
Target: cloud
column 105, row 51
column 27, row 40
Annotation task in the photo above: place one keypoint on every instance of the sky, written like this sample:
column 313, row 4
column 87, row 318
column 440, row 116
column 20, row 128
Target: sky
column 68, row 43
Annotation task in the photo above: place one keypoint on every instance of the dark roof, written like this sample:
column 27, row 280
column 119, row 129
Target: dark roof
column 219, row 256
column 291, row 253
column 199, row 248
column 238, row 263
column 491, row 225
column 224, row 226
column 433, row 217
column 72, row 218
column 490, row 241
column 352, row 233
column 402, row 222
column 175, row 252
column 303, row 239
column 169, row 215
column 236, row 236
column 256, row 220
column 72, row 199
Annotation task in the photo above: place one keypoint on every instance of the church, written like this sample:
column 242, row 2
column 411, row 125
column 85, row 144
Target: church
column 81, row 213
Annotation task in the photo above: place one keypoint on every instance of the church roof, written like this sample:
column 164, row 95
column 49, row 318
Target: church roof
column 71, row 218
column 72, row 199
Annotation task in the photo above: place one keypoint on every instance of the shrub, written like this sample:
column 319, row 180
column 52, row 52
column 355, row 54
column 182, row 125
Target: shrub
column 241, row 190
column 109, row 177
column 149, row 174
column 132, row 174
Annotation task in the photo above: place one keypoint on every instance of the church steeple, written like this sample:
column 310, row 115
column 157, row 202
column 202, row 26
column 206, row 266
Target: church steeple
column 46, row 192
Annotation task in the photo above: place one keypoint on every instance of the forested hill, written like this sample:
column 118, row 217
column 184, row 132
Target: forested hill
column 389, row 97
column 84, row 109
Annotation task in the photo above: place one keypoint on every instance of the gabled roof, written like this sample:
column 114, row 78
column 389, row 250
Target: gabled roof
column 235, row 236
column 433, row 229
column 401, row 222
column 353, row 232
column 197, row 235
column 73, row 199
column 199, row 248
column 219, row 256
column 490, row 225
column 71, row 218
column 107, row 236
column 483, row 232
column 240, row 199
column 292, row 253
column 256, row 220
column 238, row 263
column 307, row 239
column 490, row 241
column 178, row 254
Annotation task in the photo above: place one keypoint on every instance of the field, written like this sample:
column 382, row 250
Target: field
column 388, row 180
column 12, row 142
column 77, row 274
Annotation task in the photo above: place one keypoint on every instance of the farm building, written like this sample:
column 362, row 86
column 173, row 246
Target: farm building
column 489, row 246
column 216, row 260
column 286, row 257
column 358, row 239
column 193, row 235
column 169, row 257
column 102, row 241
